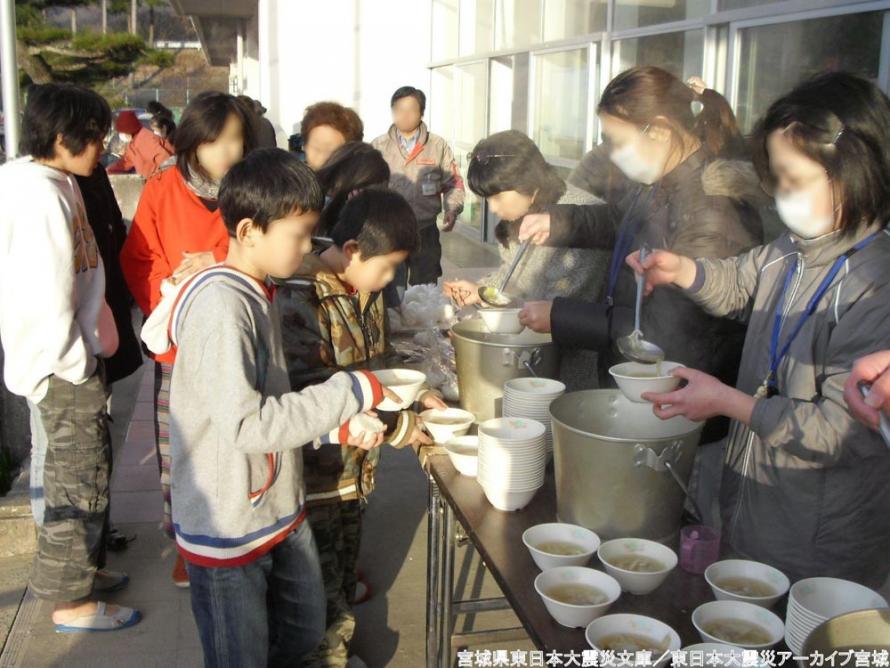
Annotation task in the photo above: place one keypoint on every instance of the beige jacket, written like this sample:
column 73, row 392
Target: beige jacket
column 427, row 177
column 806, row 488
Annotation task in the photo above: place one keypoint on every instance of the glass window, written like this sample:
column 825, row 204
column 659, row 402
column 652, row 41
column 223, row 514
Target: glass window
column 680, row 53
column 476, row 29
column 774, row 58
column 517, row 23
column 570, row 18
column 470, row 108
column 650, row 12
column 561, row 82
column 440, row 115
column 444, row 29
column 726, row 5
column 508, row 101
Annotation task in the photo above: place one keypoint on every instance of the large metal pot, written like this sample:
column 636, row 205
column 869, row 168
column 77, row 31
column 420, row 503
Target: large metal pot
column 485, row 361
column 867, row 630
column 616, row 465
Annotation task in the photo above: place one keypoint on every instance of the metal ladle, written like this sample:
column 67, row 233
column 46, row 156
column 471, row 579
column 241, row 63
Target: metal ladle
column 633, row 346
column 495, row 297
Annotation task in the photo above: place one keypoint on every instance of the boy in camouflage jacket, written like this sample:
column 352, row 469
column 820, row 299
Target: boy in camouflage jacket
column 334, row 319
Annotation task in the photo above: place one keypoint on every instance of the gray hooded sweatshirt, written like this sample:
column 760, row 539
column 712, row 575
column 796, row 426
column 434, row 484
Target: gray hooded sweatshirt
column 806, row 488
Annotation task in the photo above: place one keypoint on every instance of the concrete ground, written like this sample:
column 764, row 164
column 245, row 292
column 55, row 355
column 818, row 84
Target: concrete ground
column 390, row 630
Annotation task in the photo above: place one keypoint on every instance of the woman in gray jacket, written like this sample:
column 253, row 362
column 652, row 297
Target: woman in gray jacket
column 805, row 485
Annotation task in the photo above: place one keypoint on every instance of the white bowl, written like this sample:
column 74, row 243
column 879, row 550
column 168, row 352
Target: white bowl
column 750, row 570
column 511, row 430
column 634, row 379
column 537, row 389
column 404, row 382
column 557, row 532
column 636, row 582
column 572, row 615
column 509, row 500
column 463, row 451
column 829, row 597
column 502, row 320
column 708, row 613
column 638, row 625
column 458, row 423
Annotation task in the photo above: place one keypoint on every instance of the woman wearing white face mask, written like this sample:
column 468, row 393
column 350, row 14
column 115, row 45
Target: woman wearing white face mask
column 685, row 198
column 804, row 484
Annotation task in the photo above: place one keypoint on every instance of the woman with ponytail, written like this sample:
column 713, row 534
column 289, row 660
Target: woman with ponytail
column 668, row 140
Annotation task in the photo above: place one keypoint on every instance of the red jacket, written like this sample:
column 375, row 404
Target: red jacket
column 145, row 152
column 170, row 220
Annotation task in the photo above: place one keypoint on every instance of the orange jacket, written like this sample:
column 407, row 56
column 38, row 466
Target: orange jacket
column 170, row 220
column 145, row 152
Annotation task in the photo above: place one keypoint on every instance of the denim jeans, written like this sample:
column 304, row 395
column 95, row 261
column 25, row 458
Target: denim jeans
column 270, row 612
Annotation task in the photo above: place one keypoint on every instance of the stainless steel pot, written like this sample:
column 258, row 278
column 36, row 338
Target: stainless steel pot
column 485, row 361
column 867, row 630
column 616, row 465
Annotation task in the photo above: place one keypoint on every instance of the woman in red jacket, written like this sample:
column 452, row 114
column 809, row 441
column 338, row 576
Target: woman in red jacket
column 178, row 230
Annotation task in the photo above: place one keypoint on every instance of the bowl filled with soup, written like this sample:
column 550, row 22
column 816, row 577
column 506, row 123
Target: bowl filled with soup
column 575, row 596
column 746, row 581
column 634, row 379
column 555, row 544
column 502, row 320
column 626, row 635
column 737, row 623
column 639, row 565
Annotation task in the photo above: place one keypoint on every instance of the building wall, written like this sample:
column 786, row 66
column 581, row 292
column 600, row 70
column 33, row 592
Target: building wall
column 356, row 52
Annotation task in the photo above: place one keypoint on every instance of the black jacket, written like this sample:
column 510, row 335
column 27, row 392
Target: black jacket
column 701, row 209
column 110, row 232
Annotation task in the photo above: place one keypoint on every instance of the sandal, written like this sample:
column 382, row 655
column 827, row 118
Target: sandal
column 107, row 581
column 101, row 620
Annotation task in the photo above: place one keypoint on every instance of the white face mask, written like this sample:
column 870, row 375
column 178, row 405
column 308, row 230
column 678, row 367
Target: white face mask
column 796, row 211
column 123, row 136
column 635, row 167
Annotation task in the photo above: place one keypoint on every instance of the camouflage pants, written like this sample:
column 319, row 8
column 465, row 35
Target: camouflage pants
column 337, row 529
column 76, row 472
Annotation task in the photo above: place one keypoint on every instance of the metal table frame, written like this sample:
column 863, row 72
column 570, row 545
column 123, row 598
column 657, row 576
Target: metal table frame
column 442, row 608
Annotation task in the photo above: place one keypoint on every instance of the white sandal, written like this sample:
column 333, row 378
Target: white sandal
column 101, row 620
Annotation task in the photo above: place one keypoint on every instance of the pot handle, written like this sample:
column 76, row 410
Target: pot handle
column 526, row 359
column 666, row 461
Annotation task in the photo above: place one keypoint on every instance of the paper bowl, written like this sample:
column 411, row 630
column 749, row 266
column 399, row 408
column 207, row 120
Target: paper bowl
column 556, row 532
column 635, row 379
column 404, row 382
column 708, row 613
column 635, row 582
column 508, row 500
column 638, row 625
column 568, row 614
column 455, row 422
column 463, row 451
column 751, row 570
column 502, row 320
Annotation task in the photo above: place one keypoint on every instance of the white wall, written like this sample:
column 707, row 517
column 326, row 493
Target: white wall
column 356, row 52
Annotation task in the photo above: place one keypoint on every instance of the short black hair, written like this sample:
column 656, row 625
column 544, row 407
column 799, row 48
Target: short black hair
column 202, row 122
column 380, row 221
column 80, row 115
column 267, row 185
column 353, row 166
column 409, row 91
column 841, row 121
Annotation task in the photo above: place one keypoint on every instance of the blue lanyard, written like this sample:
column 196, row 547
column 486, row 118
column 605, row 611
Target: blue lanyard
column 627, row 231
column 775, row 355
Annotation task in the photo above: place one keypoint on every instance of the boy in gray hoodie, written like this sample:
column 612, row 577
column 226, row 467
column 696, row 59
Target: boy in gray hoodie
column 235, row 428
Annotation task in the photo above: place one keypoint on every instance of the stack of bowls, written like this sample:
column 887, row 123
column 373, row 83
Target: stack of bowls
column 530, row 398
column 512, row 459
column 815, row 600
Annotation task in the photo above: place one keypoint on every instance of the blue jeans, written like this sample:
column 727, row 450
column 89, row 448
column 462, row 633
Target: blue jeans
column 270, row 612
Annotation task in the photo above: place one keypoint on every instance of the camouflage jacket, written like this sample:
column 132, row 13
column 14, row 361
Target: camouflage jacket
column 326, row 328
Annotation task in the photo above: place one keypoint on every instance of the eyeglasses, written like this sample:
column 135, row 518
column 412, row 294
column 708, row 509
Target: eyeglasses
column 483, row 158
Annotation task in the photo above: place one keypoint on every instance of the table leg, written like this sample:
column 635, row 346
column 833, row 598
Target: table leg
column 447, row 584
column 433, row 568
